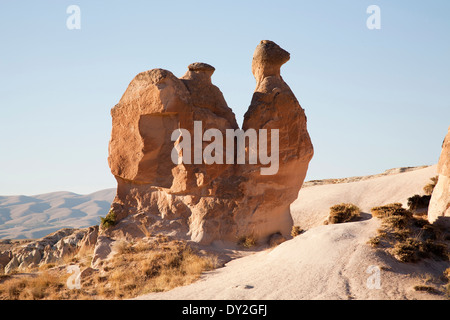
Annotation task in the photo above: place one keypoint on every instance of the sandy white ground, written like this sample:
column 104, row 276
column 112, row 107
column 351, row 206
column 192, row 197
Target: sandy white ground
column 312, row 206
column 326, row 262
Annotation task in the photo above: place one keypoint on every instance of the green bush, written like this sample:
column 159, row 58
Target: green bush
column 108, row 221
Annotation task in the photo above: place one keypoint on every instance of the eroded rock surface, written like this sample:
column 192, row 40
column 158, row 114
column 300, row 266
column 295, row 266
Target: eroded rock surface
column 439, row 208
column 274, row 106
column 200, row 201
column 163, row 189
column 49, row 249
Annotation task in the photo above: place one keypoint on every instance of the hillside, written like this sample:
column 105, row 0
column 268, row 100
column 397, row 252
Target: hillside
column 31, row 217
column 327, row 261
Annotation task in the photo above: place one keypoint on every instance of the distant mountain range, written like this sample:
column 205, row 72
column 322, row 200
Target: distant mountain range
column 32, row 217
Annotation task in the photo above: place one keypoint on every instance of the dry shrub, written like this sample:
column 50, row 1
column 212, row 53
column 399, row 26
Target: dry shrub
column 389, row 210
column 417, row 202
column 344, row 212
column 446, row 275
column 426, row 288
column 136, row 269
column 432, row 248
column 420, row 222
column 247, row 241
column 400, row 234
column 429, row 188
column 396, row 222
column 375, row 241
column 152, row 267
column 408, row 238
column 296, row 230
column 412, row 250
column 36, row 287
column 407, row 251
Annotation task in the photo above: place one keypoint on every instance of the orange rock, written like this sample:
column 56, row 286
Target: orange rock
column 199, row 201
column 439, row 208
column 274, row 106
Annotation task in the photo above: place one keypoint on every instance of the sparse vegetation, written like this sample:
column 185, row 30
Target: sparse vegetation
column 407, row 237
column 427, row 288
column 428, row 189
column 146, row 266
column 375, row 241
column 393, row 209
column 108, row 221
column 396, row 222
column 344, row 212
column 296, row 230
column 430, row 284
column 431, row 248
column 407, row 250
column 152, row 267
column 417, row 202
column 42, row 285
column 247, row 241
column 446, row 277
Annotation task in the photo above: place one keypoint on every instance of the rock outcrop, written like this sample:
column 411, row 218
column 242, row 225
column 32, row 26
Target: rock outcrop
column 439, row 208
column 275, row 107
column 49, row 249
column 185, row 169
column 175, row 153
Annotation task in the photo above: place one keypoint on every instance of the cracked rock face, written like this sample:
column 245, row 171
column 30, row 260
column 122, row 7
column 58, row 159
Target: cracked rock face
column 49, row 249
column 439, row 208
column 203, row 201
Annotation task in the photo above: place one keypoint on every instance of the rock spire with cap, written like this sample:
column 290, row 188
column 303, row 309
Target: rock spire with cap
column 204, row 202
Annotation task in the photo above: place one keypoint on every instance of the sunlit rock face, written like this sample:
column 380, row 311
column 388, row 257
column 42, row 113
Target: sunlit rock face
column 159, row 115
column 439, row 208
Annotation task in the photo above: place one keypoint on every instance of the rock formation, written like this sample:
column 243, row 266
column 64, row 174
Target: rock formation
column 49, row 249
column 439, row 208
column 175, row 178
column 196, row 198
column 274, row 106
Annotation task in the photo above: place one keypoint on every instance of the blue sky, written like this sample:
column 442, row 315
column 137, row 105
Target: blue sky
column 375, row 99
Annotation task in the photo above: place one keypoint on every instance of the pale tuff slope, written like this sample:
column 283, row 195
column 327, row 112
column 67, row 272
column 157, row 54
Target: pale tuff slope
column 326, row 262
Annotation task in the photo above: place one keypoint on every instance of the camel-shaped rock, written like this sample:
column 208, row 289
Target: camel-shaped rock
column 208, row 194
